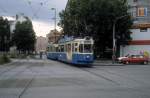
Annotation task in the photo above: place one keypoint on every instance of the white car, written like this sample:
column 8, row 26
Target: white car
column 120, row 58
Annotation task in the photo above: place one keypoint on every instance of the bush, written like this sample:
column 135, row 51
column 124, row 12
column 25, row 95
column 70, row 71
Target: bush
column 13, row 55
column 4, row 59
column 22, row 56
column 17, row 56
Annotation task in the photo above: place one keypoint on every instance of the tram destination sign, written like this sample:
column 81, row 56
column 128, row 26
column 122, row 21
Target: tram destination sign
column 87, row 42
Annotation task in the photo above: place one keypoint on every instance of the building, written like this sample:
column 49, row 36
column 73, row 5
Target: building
column 53, row 36
column 41, row 44
column 18, row 18
column 140, row 44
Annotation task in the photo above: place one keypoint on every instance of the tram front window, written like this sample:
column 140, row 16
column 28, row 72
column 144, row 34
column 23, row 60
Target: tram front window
column 87, row 48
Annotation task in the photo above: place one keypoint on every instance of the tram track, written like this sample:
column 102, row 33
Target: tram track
column 10, row 68
column 101, row 76
column 25, row 66
column 18, row 72
column 94, row 73
column 27, row 86
column 119, row 75
column 111, row 73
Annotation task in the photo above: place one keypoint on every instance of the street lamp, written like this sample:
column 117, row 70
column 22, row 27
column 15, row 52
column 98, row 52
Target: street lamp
column 54, row 22
column 54, row 18
column 114, row 39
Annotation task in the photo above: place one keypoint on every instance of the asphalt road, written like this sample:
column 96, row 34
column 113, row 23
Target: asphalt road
column 51, row 79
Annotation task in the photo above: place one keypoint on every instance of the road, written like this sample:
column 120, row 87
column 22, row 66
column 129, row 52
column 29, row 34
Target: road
column 51, row 79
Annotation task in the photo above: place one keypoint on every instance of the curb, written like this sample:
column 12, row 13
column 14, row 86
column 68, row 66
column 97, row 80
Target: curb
column 107, row 64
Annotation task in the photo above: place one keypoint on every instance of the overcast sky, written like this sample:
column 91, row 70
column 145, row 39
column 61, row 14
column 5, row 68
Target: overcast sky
column 39, row 11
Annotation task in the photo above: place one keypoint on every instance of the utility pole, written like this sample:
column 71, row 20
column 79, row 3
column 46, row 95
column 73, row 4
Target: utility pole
column 114, row 42
column 54, row 22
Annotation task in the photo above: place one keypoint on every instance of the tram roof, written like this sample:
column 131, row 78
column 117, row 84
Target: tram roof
column 67, row 39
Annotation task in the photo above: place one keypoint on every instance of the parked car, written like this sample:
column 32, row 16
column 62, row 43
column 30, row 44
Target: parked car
column 140, row 59
column 119, row 59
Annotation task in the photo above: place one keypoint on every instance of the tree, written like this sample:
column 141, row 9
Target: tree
column 95, row 18
column 24, row 36
column 4, row 34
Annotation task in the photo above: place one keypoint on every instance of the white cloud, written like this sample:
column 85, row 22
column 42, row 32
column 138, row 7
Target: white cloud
column 40, row 14
column 43, row 28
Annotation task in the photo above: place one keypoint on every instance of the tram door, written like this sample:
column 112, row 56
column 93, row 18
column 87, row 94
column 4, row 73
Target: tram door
column 69, row 51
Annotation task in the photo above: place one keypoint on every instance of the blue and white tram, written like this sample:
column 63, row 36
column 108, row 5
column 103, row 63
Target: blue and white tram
column 75, row 51
column 52, row 51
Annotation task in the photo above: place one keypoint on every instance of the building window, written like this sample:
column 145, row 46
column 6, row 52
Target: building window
column 142, row 12
column 143, row 29
column 133, row 14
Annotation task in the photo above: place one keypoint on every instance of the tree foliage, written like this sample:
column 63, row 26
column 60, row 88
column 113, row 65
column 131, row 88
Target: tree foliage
column 95, row 18
column 4, row 34
column 24, row 36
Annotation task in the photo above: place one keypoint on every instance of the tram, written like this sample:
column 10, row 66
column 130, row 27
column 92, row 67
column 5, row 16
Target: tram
column 71, row 50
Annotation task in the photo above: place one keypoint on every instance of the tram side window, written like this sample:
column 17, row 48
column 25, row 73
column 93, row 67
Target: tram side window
column 62, row 48
column 81, row 48
column 76, row 44
column 57, row 49
column 50, row 49
column 54, row 49
column 69, row 48
column 66, row 48
column 73, row 47
column 76, row 47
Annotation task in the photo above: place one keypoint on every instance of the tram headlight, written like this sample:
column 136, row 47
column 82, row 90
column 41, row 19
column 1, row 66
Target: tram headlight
column 87, row 56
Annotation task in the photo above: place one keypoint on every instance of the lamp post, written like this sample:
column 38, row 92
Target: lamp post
column 114, row 39
column 54, row 22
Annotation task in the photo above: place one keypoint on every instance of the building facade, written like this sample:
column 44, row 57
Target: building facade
column 140, row 44
column 54, row 36
column 41, row 44
column 19, row 18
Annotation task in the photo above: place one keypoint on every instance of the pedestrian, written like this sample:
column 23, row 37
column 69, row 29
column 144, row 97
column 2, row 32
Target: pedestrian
column 41, row 55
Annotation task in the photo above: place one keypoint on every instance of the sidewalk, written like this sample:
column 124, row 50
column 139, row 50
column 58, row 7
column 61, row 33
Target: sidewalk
column 106, row 63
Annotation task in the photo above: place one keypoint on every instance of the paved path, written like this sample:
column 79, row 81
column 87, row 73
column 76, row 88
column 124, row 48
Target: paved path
column 50, row 79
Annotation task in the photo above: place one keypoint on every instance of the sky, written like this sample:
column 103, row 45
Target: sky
column 39, row 11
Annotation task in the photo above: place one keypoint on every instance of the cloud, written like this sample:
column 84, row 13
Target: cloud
column 42, row 28
column 39, row 11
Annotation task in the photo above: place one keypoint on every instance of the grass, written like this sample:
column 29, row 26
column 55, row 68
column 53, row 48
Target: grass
column 4, row 59
column 21, row 56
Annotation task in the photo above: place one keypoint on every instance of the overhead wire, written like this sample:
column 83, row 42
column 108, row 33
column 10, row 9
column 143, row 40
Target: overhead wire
column 2, row 9
column 38, row 10
column 31, row 9
column 35, row 13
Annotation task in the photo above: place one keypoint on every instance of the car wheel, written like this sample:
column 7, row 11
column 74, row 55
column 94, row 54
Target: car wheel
column 127, row 62
column 145, row 62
